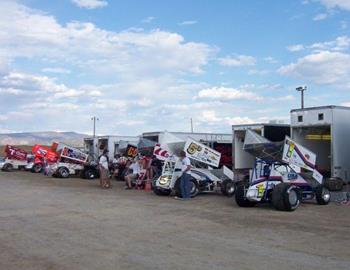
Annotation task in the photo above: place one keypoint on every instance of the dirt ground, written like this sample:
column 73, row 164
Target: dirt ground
column 48, row 223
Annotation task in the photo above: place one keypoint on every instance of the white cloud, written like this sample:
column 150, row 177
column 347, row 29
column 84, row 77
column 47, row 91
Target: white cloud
column 237, row 61
column 32, row 83
column 188, row 22
column 295, row 48
column 90, row 4
column 209, row 116
column 339, row 44
column 343, row 25
column 270, row 60
column 323, row 67
column 94, row 49
column 148, row 19
column 239, row 120
column 56, row 70
column 341, row 4
column 283, row 98
column 346, row 104
column 226, row 93
column 320, row 17
column 135, row 78
column 259, row 72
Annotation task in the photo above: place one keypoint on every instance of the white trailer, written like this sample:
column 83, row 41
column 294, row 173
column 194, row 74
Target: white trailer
column 90, row 147
column 242, row 160
column 206, row 138
column 95, row 146
column 325, row 131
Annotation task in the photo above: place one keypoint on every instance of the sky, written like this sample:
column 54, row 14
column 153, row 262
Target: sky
column 152, row 65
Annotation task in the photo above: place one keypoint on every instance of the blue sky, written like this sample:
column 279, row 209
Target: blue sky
column 152, row 65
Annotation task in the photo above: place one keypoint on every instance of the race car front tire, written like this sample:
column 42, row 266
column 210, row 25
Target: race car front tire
column 90, row 174
column 161, row 192
column 194, row 190
column 240, row 197
column 286, row 197
column 37, row 168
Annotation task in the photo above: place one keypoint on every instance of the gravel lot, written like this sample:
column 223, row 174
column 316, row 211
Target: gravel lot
column 48, row 223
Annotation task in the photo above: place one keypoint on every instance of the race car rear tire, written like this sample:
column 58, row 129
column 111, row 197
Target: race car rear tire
column 90, row 174
column 323, row 195
column 228, row 188
column 240, row 197
column 63, row 172
column 286, row 197
column 37, row 168
column 8, row 167
column 161, row 192
column 194, row 190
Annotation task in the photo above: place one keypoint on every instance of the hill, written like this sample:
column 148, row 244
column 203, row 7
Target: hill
column 45, row 138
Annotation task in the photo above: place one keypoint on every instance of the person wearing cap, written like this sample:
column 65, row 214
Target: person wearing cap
column 104, row 172
column 135, row 169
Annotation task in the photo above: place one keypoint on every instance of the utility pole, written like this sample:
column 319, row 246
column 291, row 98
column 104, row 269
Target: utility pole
column 301, row 89
column 94, row 119
column 191, row 125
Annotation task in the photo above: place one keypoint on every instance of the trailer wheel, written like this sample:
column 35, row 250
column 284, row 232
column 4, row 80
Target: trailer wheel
column 323, row 195
column 194, row 190
column 286, row 197
column 8, row 167
column 37, row 168
column 333, row 183
column 161, row 192
column 63, row 172
column 227, row 188
column 240, row 197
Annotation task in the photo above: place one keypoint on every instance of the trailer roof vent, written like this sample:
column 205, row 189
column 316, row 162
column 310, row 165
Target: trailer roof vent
column 300, row 118
column 320, row 116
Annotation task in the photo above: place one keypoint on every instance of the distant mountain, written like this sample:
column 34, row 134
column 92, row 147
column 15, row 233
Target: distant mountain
column 45, row 138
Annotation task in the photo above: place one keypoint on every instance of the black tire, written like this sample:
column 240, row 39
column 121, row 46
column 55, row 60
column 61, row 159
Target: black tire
column 37, row 168
column 194, row 190
column 90, row 174
column 323, row 195
column 286, row 197
column 334, row 184
column 63, row 172
column 161, row 192
column 228, row 188
column 8, row 167
column 240, row 197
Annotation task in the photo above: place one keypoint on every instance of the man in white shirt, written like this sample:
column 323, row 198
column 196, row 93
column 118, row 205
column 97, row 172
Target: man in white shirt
column 104, row 172
column 185, row 177
column 135, row 167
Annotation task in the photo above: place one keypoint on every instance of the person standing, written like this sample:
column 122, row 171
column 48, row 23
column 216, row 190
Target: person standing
column 185, row 177
column 104, row 172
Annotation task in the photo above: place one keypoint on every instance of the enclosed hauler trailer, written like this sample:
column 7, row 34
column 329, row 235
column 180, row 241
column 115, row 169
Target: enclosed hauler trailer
column 207, row 138
column 111, row 144
column 90, row 147
column 325, row 131
column 242, row 160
